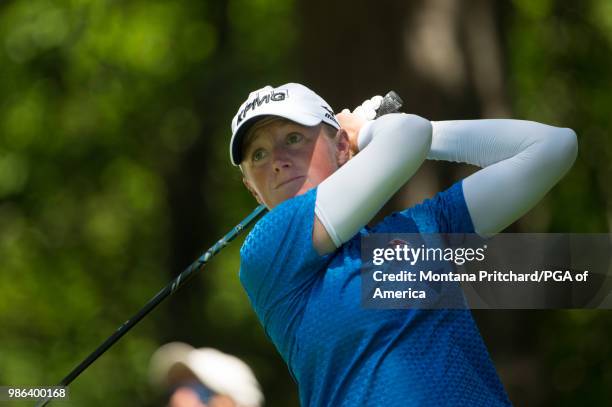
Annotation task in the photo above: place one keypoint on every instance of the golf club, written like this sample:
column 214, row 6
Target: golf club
column 390, row 103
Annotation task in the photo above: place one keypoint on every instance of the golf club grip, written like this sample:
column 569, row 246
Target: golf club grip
column 391, row 103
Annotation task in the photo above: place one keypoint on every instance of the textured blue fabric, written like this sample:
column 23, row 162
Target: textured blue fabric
column 341, row 354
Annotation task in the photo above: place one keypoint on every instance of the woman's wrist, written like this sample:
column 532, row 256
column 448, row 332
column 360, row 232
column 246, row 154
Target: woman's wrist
column 365, row 135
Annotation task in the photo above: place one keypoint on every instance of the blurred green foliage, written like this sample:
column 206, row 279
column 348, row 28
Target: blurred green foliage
column 561, row 60
column 101, row 102
column 560, row 57
column 114, row 121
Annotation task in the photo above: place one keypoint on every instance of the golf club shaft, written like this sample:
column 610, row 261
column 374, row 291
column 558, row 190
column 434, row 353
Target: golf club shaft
column 170, row 289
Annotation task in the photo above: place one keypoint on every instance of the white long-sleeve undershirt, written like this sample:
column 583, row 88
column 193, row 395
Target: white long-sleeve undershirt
column 351, row 196
column 521, row 161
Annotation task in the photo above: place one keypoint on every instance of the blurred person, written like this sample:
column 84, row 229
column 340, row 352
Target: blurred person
column 324, row 177
column 203, row 377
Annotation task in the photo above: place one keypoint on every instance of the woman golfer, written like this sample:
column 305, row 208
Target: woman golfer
column 324, row 177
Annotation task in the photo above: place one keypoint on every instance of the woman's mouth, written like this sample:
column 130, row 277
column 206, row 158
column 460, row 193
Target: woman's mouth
column 290, row 180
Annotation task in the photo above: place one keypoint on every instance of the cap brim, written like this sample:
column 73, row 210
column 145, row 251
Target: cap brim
column 238, row 136
column 167, row 359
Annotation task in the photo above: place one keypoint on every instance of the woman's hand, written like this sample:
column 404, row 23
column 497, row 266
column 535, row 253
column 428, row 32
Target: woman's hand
column 352, row 123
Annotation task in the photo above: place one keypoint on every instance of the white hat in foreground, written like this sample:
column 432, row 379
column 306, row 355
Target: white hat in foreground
column 222, row 373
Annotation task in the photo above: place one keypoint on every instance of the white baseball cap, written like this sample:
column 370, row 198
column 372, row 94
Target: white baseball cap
column 292, row 101
column 222, row 373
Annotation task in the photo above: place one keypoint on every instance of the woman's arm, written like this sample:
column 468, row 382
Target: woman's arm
column 350, row 197
column 521, row 162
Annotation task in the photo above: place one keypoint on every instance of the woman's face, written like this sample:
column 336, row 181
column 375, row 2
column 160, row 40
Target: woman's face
column 283, row 159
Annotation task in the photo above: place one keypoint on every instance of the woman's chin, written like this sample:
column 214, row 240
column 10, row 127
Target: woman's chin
column 304, row 188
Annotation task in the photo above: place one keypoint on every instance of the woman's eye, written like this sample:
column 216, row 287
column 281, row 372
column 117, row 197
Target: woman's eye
column 258, row 155
column 294, row 138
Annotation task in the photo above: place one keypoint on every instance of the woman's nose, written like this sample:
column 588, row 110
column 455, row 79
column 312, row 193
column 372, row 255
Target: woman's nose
column 281, row 160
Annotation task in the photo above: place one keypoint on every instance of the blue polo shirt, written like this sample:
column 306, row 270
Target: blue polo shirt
column 342, row 354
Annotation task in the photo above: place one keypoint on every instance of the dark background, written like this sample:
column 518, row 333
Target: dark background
column 114, row 169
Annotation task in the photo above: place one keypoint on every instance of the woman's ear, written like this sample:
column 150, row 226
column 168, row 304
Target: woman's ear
column 343, row 147
column 248, row 186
